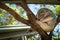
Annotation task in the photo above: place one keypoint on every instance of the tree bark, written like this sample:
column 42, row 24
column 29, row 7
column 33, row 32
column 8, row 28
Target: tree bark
column 42, row 38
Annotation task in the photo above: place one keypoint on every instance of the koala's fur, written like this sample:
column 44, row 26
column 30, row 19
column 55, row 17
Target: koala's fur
column 46, row 19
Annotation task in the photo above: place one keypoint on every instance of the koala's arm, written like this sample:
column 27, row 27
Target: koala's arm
column 47, row 19
column 44, row 26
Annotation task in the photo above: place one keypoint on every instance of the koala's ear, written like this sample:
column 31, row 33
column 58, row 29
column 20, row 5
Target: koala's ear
column 37, row 18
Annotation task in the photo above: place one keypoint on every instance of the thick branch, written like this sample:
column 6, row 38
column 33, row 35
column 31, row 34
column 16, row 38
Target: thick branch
column 30, row 14
column 58, row 19
column 17, row 17
column 32, row 18
column 39, row 30
column 13, row 13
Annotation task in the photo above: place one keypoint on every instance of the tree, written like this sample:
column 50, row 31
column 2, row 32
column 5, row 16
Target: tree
column 31, row 19
column 57, row 8
column 4, row 17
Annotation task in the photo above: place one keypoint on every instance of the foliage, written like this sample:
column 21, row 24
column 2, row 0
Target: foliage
column 32, row 38
column 6, row 18
column 57, row 8
column 56, row 38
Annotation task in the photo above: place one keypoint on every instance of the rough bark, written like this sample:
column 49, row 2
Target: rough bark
column 42, row 38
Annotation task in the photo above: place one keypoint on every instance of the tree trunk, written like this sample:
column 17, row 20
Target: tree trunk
column 49, row 36
column 42, row 38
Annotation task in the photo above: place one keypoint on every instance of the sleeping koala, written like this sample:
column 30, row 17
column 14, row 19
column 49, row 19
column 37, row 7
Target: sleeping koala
column 46, row 19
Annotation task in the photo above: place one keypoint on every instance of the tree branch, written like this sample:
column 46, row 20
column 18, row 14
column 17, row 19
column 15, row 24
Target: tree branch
column 32, row 19
column 17, row 17
column 58, row 19
column 30, row 14
column 37, row 27
column 13, row 13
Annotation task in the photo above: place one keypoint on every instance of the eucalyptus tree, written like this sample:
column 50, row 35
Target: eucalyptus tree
column 32, row 19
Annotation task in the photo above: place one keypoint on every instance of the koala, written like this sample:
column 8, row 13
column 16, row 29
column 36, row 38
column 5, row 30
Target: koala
column 46, row 19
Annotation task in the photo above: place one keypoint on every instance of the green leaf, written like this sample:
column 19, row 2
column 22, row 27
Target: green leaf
column 57, row 8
